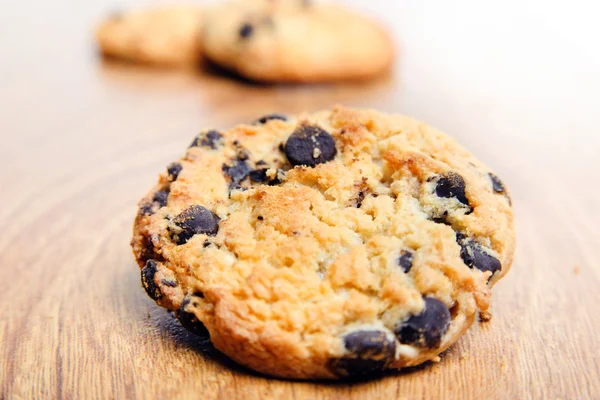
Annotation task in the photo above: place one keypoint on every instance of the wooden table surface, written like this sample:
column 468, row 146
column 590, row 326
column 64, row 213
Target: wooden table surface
column 82, row 141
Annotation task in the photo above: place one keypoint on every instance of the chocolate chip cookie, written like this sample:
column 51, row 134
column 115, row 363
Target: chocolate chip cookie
column 169, row 36
column 336, row 244
column 296, row 41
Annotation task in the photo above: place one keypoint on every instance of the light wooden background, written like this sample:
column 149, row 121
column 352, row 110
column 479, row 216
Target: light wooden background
column 82, row 140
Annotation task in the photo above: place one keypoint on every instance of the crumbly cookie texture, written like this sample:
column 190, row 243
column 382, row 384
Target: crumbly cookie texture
column 169, row 36
column 296, row 41
column 327, row 245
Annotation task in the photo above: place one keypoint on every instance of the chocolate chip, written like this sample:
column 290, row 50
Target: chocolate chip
column 173, row 171
column 146, row 209
column 159, row 200
column 169, row 283
column 161, row 197
column 259, row 175
column 406, row 261
column 427, row 328
column 452, row 185
column 195, row 142
column 442, row 220
column 238, row 171
column 368, row 353
column 310, row 145
column 195, row 220
column 497, row 184
column 360, row 199
column 499, row 187
column 148, row 251
column 208, row 139
column 246, row 31
column 277, row 180
column 148, row 273
column 270, row 117
column 474, row 256
column 188, row 319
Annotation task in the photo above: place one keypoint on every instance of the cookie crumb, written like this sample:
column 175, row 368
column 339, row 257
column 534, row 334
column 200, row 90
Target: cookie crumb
column 485, row 316
column 463, row 356
column 436, row 359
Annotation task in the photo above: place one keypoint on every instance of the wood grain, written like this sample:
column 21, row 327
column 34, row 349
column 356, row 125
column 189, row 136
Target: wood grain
column 82, row 140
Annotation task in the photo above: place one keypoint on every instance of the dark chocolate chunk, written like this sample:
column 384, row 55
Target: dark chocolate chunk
column 159, row 200
column 497, row 184
column 188, row 319
column 269, row 117
column 452, row 185
column 148, row 282
column 146, row 209
column 368, row 353
column 237, row 172
column 173, row 171
column 168, row 282
column 361, row 198
column 195, row 142
column 406, row 261
column 246, row 31
column 208, row 139
column 148, row 250
column 474, row 255
column 310, row 145
column 195, row 220
column 161, row 197
column 259, row 175
column 276, row 180
column 427, row 328
column 441, row 220
column 498, row 187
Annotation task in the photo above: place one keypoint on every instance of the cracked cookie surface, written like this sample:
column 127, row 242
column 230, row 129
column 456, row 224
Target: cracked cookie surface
column 327, row 245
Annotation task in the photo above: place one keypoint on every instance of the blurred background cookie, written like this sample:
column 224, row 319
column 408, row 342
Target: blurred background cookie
column 166, row 36
column 296, row 41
